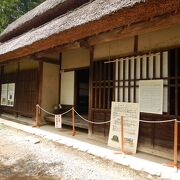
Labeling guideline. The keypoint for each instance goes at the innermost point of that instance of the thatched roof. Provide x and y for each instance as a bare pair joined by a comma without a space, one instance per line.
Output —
93,18
43,13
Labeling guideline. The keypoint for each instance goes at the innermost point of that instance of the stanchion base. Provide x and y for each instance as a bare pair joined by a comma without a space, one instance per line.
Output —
172,164
123,153
36,126
74,133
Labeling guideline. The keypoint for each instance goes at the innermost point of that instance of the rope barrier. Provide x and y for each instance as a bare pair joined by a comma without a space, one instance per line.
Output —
52,113
175,162
163,121
45,110
66,111
90,121
72,109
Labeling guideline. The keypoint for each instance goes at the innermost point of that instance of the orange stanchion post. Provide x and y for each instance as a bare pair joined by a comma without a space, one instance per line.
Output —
122,137
73,125
175,143
122,134
37,116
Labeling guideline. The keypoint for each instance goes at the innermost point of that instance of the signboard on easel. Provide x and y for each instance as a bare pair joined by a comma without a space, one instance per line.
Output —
130,114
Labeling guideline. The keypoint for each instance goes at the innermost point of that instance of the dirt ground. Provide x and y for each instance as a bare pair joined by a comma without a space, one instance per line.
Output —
25,156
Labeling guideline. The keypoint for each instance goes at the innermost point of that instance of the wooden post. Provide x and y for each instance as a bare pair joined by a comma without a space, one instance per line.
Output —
59,88
39,90
122,134
91,55
175,142
37,116
73,125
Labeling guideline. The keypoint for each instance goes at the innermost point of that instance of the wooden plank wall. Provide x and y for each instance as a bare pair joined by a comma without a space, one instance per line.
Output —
25,91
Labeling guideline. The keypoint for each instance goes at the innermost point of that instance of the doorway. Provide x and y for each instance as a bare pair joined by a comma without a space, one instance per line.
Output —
82,90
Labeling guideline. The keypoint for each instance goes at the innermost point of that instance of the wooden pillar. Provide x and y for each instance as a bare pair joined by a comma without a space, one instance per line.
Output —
122,134
16,89
176,82
175,142
91,54
60,62
40,79
1,81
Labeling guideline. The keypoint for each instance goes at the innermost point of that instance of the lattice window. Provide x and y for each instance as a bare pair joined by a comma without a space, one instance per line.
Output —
119,81
103,85
130,70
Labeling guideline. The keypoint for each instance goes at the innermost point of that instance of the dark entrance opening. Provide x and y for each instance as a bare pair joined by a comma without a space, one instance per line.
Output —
82,90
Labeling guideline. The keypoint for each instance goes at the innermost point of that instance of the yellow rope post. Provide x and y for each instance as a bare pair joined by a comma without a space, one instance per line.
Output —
122,134
73,125
37,116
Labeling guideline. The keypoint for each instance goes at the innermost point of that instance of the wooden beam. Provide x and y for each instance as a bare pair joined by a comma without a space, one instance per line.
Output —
45,59
14,60
155,24
59,49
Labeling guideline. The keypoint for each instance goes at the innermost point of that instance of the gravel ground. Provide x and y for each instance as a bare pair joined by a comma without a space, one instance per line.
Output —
24,156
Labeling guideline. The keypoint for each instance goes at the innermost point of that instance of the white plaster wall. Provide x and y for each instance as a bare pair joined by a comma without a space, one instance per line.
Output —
50,86
10,68
28,64
159,39
75,58
114,48
67,88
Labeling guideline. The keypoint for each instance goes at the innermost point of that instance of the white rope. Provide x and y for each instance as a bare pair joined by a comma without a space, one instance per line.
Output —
67,111
90,121
45,110
52,113
72,109
164,121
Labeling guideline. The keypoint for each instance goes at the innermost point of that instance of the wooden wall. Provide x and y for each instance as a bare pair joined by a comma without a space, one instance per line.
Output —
25,76
119,81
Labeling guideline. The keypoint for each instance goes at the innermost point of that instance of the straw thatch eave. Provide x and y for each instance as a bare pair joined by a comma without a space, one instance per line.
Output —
99,16
40,15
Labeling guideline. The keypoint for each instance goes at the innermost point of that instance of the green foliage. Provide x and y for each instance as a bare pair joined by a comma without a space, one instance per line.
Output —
10,10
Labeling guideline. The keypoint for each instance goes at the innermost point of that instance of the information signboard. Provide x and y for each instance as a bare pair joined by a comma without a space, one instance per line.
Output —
4,90
7,94
130,114
58,121
151,96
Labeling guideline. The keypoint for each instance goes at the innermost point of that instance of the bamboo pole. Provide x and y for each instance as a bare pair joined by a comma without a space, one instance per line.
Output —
73,125
122,134
175,142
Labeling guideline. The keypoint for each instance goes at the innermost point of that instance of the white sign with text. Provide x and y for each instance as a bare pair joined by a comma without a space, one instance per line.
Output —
58,121
130,114
151,96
